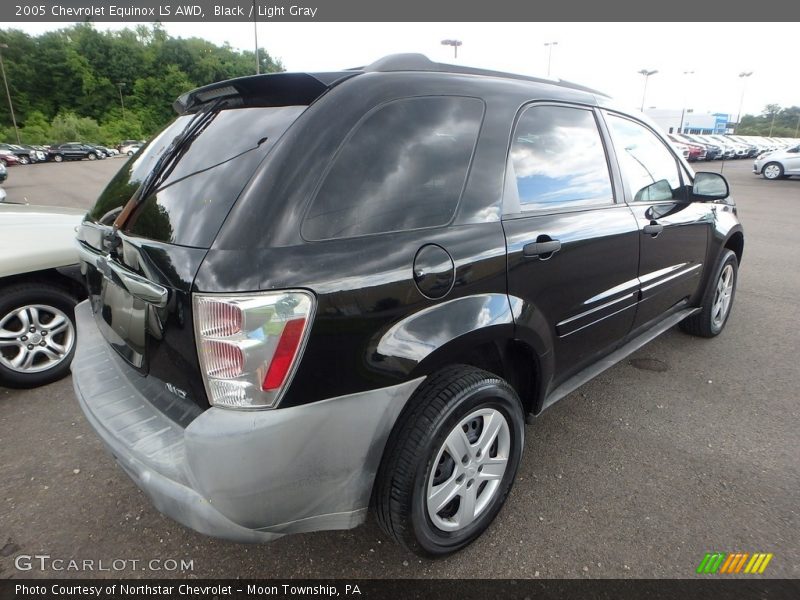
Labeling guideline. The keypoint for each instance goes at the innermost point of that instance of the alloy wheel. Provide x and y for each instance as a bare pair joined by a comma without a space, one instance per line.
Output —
722,297
772,171
35,338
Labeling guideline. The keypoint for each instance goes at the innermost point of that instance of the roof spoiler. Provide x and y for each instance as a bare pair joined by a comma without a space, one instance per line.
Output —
274,89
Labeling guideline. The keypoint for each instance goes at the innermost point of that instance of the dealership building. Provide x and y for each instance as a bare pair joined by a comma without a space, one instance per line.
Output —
688,121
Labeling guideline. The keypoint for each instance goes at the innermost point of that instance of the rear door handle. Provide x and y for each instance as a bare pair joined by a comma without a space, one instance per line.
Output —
137,286
543,249
653,228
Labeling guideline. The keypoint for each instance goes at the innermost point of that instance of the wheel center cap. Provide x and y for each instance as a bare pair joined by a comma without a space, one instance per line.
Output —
35,338
471,470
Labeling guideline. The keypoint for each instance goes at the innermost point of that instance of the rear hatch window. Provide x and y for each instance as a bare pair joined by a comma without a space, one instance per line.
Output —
194,195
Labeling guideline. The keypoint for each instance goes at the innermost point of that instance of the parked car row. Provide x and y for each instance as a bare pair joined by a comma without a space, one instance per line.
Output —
21,154
24,154
725,147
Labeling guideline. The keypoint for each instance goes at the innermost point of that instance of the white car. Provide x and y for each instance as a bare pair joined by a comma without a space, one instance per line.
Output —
130,149
777,164
39,287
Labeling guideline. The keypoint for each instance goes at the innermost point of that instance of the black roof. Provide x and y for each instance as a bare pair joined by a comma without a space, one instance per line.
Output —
420,62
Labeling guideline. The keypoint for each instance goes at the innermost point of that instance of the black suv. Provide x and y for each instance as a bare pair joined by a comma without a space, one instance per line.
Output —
74,151
316,293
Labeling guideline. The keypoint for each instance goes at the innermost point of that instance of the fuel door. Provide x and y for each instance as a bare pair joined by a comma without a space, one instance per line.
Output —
434,271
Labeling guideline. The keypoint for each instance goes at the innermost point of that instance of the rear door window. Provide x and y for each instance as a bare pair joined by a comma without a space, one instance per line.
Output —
557,160
403,167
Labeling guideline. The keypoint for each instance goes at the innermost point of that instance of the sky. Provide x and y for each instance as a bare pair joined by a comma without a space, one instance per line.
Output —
603,56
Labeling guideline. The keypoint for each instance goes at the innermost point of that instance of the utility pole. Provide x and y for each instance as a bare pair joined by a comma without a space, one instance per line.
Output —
8,92
771,125
549,46
647,75
120,85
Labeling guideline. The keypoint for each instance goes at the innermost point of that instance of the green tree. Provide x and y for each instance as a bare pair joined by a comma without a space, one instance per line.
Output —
66,84
774,121
69,127
36,129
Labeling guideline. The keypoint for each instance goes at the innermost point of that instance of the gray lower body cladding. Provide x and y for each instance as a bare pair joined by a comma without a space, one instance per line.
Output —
248,476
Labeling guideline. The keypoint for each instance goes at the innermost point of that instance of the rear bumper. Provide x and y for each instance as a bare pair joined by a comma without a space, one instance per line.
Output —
248,476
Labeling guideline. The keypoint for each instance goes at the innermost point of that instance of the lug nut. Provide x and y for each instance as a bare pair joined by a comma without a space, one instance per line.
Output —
32,329
480,469
44,333
43,343
478,454
464,459
24,338
30,346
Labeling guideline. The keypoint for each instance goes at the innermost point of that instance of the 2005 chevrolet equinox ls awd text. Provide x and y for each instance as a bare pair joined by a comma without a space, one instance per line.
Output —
319,293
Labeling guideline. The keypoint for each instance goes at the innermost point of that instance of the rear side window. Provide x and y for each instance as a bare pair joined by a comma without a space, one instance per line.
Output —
558,160
648,167
404,167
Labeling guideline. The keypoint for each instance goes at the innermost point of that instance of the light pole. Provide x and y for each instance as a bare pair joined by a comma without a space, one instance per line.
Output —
549,46
120,85
8,92
743,76
683,110
646,74
255,35
455,44
797,129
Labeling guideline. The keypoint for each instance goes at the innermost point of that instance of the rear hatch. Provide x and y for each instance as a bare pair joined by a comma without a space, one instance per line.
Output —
143,242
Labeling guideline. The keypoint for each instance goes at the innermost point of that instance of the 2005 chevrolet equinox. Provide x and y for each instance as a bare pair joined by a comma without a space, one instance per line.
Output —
319,293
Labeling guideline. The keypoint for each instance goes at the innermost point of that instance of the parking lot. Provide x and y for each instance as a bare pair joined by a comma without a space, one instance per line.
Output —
639,473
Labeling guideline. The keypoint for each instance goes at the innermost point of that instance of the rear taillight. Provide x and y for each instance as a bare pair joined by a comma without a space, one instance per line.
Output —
249,344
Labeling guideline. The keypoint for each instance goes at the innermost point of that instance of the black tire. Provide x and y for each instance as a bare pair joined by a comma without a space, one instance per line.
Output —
58,158
25,294
24,160
704,324
435,410
773,164
130,152
5,164
91,156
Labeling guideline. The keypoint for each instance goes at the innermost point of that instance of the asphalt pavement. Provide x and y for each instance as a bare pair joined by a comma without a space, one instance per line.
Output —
688,447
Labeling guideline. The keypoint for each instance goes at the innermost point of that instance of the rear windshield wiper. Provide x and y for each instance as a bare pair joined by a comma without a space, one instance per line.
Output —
167,162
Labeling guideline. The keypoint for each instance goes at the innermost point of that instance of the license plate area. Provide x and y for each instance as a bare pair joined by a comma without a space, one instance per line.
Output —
122,319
